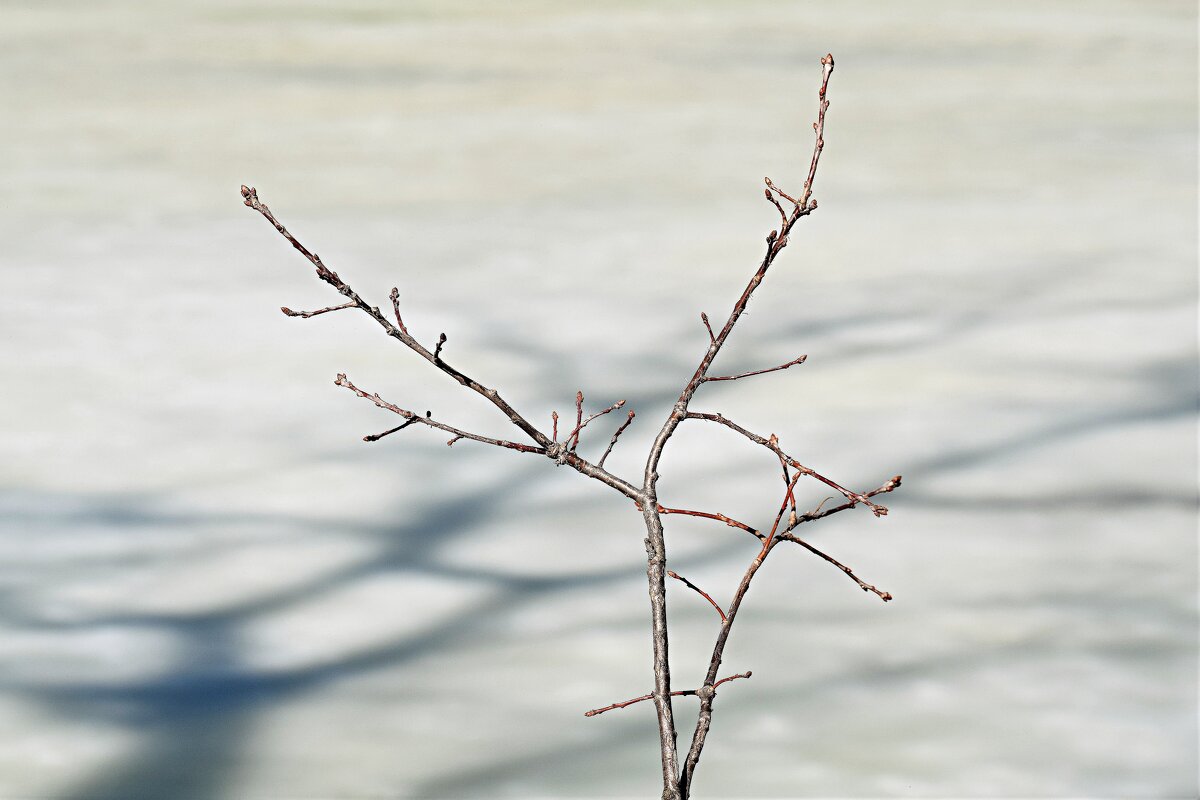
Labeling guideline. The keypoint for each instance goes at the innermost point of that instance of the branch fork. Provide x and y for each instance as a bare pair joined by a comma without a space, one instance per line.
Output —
677,774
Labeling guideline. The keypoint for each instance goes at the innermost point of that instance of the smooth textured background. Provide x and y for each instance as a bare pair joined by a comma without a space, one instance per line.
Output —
211,588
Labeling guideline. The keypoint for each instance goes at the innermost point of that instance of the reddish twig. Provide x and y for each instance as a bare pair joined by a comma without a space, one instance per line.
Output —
680,693
698,590
307,314
733,523
819,130
791,363
396,307
771,197
866,587
578,421
612,443
711,336
554,425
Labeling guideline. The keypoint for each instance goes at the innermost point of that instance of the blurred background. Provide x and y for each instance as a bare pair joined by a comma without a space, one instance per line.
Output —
210,587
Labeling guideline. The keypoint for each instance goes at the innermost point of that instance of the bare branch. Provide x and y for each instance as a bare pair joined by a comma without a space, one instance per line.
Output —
773,188
712,338
437,352
733,523
396,307
866,587
375,437
698,590
307,314
681,693
819,130
578,421
628,421
342,380
579,428
554,425
791,363
773,446
771,197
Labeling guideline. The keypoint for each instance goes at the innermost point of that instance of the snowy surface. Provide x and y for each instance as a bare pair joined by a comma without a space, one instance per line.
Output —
211,588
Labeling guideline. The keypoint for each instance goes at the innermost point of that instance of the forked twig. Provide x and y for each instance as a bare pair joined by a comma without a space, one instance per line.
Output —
677,776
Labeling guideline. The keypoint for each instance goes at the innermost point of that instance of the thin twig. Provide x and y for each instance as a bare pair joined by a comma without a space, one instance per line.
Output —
866,587
612,443
771,187
773,446
375,437
396,307
733,523
342,380
579,428
554,425
770,196
437,352
791,363
819,130
711,336
578,421
307,314
680,693
698,590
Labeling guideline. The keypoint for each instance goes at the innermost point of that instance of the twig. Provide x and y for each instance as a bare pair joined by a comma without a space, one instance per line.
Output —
866,587
733,523
819,130
628,421
698,590
437,352
773,446
375,437
774,202
773,188
307,314
545,444
396,307
711,336
578,421
680,693
791,363
554,425
579,428
342,380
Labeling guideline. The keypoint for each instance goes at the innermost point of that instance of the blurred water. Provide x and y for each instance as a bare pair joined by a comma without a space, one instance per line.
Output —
212,588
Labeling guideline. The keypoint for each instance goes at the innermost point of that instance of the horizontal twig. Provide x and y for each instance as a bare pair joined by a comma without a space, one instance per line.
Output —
579,427
680,693
307,314
791,363
733,523
375,437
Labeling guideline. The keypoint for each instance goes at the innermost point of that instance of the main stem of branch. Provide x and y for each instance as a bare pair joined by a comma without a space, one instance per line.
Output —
656,573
